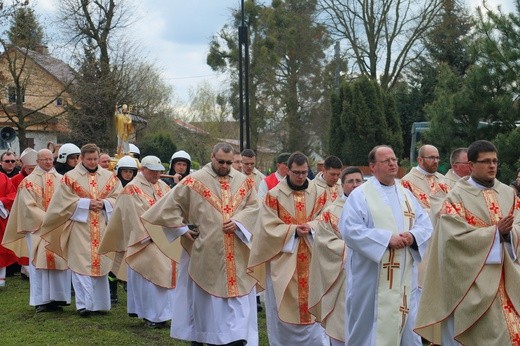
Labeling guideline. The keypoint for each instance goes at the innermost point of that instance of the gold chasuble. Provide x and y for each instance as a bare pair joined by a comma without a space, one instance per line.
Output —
327,273
396,267
218,261
283,210
126,235
430,190
466,278
451,178
333,192
78,242
32,200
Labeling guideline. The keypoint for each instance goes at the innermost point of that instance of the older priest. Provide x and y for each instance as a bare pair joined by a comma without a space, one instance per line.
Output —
215,296
50,275
75,223
473,277
387,233
151,274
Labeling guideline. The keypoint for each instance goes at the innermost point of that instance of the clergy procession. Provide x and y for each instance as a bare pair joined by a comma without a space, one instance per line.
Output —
340,259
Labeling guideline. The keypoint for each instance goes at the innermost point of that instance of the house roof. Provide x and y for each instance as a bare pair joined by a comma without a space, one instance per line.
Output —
56,67
190,127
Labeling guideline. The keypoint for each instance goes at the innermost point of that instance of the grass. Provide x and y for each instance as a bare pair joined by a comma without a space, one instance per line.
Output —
20,325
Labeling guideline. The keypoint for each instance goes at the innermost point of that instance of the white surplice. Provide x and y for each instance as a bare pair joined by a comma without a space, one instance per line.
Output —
194,312
367,245
47,285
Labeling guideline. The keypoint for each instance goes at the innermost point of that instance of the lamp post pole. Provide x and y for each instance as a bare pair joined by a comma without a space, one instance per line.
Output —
243,80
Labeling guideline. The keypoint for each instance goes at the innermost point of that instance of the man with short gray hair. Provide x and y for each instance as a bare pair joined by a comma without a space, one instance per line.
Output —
150,274
49,273
460,166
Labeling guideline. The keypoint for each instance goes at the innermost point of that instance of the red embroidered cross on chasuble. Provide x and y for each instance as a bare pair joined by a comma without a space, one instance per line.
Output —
303,252
94,192
227,204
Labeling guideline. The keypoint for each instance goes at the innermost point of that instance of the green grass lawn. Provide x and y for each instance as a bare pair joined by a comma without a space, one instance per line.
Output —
20,325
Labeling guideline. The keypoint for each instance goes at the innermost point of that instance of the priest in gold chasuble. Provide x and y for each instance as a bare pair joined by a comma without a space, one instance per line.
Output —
282,246
387,233
50,276
75,223
150,274
473,277
327,274
213,211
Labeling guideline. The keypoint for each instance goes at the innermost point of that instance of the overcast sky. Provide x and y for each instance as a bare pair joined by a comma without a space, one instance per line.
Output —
175,35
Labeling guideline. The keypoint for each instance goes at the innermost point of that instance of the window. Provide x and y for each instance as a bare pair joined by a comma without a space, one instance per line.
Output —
11,94
59,101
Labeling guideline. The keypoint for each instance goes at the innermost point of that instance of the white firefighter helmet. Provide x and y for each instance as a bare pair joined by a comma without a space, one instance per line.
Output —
133,149
126,162
66,150
181,154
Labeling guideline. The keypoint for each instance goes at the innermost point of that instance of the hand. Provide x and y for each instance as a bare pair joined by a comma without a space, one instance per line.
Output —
408,238
303,230
192,234
505,224
229,227
397,242
96,204
177,177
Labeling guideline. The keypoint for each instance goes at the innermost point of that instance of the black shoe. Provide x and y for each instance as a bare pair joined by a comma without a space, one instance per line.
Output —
41,308
132,315
154,325
24,277
48,308
84,312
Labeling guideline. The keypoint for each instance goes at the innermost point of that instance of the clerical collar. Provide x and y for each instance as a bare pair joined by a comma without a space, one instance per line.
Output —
298,188
90,170
386,184
485,184
423,171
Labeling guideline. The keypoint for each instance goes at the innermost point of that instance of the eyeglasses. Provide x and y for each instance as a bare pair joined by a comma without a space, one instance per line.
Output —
9,161
221,162
299,173
489,162
388,161
461,163
433,158
352,181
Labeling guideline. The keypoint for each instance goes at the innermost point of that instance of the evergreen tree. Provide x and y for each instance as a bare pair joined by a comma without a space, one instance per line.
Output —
368,118
25,30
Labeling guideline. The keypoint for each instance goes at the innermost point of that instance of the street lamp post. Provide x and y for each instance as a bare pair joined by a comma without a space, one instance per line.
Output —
243,80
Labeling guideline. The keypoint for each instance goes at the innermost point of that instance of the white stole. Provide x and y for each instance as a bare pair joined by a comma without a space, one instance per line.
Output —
396,266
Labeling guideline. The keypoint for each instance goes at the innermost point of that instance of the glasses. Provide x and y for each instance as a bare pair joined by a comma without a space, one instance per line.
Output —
9,161
461,163
433,158
489,162
221,162
388,161
299,173
354,181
